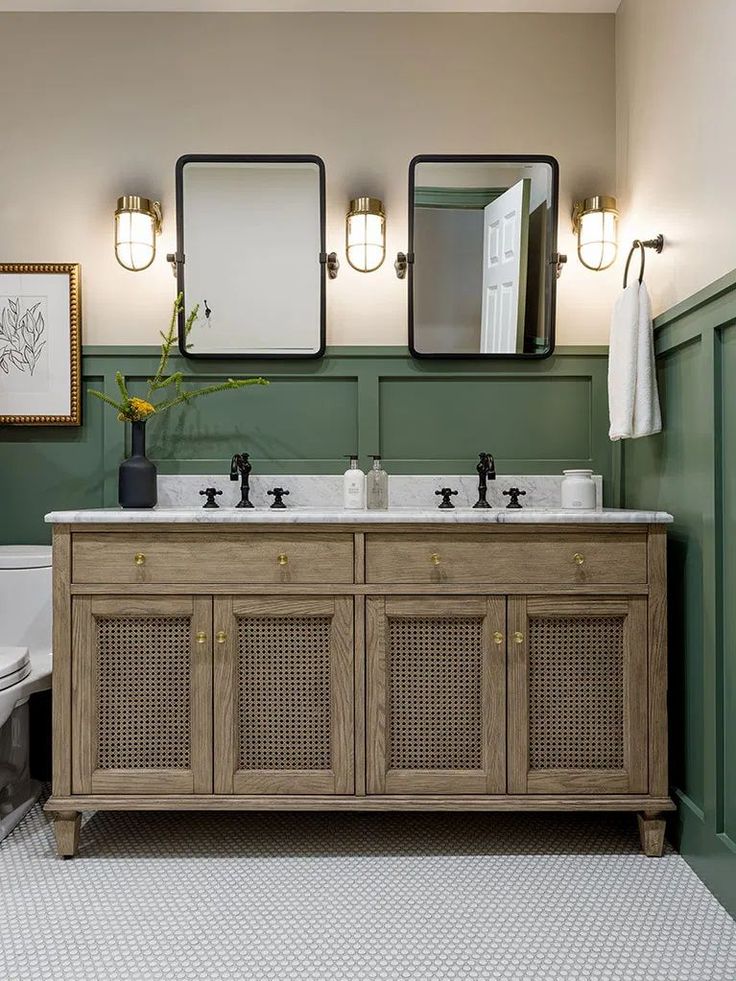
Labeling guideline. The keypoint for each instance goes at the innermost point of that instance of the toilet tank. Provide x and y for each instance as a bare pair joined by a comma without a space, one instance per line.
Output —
25,597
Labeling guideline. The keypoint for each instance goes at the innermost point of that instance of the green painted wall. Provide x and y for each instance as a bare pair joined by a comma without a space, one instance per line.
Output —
423,416
690,470
434,416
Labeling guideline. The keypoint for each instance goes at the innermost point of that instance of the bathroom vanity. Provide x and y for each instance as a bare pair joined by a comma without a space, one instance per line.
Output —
396,660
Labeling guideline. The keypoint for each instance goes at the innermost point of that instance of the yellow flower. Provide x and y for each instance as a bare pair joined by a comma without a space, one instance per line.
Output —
142,408
136,410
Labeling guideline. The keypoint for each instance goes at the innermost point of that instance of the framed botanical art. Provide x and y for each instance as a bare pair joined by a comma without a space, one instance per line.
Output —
40,344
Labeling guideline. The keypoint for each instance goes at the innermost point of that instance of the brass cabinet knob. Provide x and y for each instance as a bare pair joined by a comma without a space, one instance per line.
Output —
518,637
200,636
435,558
498,638
139,558
220,636
579,558
282,558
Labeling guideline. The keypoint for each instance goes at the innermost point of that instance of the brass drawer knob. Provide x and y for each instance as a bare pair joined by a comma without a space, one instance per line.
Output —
498,638
579,558
435,558
282,558
139,558
200,636
518,637
220,636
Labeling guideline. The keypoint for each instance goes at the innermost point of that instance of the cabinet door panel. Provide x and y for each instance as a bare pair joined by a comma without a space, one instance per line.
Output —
284,695
142,695
436,695
577,695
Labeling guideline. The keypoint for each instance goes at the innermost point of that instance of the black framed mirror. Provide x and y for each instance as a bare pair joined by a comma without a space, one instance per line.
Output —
482,260
250,233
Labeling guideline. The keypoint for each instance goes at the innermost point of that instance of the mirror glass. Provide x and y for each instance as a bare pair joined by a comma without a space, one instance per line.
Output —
250,231
483,234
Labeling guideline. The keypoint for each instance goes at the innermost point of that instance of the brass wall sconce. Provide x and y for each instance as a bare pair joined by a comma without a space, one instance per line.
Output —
594,221
137,223
365,234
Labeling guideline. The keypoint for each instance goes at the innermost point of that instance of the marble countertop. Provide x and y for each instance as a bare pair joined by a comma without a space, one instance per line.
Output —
299,515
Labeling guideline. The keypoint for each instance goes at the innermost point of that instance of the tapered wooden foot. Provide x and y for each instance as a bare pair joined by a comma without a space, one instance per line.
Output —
651,832
66,830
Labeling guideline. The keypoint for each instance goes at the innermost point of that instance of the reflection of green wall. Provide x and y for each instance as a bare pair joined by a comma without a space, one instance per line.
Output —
425,417
690,470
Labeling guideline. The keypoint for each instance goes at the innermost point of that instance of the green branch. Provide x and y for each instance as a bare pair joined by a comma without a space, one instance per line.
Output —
209,390
133,408
106,398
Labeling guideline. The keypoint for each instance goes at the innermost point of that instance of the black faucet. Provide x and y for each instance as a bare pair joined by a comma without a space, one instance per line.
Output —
486,468
240,466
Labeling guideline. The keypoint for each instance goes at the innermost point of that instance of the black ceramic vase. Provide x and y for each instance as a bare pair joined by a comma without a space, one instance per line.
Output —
137,475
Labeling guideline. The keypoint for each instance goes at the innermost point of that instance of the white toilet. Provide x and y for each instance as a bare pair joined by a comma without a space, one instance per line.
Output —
25,667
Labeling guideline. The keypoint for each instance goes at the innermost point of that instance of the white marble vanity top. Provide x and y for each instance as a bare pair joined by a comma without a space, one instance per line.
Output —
303,515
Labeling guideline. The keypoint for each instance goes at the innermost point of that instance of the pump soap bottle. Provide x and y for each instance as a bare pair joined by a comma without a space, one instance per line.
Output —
377,486
353,486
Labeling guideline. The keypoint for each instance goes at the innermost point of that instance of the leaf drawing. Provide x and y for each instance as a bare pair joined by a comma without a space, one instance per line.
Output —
21,335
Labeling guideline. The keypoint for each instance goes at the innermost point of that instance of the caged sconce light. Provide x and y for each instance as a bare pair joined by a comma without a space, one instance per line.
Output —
594,222
137,223
365,234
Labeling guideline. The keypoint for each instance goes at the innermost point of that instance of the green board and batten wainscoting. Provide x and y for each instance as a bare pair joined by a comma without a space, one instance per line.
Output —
690,470
423,416
433,417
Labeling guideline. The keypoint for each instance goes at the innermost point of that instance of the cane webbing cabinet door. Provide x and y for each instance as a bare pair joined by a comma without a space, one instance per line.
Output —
142,695
283,669
436,704
577,690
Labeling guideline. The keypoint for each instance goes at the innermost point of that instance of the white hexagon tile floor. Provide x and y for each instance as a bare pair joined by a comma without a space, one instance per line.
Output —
354,897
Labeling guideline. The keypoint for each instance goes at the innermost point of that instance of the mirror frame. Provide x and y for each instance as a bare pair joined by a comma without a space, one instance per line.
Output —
180,250
551,291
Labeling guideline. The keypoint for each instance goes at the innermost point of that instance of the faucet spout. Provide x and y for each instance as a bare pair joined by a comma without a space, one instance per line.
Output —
486,469
240,466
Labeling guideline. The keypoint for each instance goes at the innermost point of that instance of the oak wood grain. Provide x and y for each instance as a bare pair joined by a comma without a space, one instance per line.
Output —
546,558
404,802
62,669
182,558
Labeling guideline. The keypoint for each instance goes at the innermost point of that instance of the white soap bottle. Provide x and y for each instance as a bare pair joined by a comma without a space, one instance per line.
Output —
353,487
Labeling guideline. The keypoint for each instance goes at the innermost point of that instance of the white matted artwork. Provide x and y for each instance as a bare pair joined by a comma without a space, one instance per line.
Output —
40,344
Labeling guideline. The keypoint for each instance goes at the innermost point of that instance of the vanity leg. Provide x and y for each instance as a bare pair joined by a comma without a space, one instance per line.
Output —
651,832
66,829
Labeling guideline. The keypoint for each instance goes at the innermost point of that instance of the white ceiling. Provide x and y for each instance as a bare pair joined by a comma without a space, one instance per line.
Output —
344,6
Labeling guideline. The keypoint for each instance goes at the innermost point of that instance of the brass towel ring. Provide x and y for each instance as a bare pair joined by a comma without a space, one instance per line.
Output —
656,243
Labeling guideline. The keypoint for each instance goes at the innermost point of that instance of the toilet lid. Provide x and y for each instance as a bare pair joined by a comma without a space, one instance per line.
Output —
13,660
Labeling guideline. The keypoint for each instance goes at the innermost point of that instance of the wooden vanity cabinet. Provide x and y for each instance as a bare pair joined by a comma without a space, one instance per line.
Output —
359,667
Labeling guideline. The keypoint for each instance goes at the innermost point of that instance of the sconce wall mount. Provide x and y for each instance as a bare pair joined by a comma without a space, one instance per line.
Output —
365,234
594,221
138,221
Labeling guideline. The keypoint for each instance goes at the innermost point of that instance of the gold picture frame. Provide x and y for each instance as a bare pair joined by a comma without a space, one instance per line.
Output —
38,366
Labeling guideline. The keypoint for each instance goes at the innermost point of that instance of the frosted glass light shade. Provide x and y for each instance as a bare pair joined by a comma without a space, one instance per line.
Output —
597,232
137,222
365,234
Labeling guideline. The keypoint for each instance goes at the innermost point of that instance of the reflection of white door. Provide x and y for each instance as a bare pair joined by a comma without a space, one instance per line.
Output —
505,246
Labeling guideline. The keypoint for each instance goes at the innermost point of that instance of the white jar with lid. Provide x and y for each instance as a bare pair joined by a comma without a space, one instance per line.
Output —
578,490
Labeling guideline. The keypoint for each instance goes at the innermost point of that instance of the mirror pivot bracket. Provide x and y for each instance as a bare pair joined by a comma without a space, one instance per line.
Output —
331,261
402,263
558,260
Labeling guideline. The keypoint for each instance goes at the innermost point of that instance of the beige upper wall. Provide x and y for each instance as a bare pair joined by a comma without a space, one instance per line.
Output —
97,105
676,143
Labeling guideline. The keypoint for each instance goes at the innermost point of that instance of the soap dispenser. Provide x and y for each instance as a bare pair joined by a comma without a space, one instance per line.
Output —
376,490
353,486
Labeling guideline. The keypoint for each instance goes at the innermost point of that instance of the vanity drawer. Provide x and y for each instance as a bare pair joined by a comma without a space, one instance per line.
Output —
508,558
183,558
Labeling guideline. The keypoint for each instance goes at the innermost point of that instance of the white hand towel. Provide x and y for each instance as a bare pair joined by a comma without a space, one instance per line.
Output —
633,399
